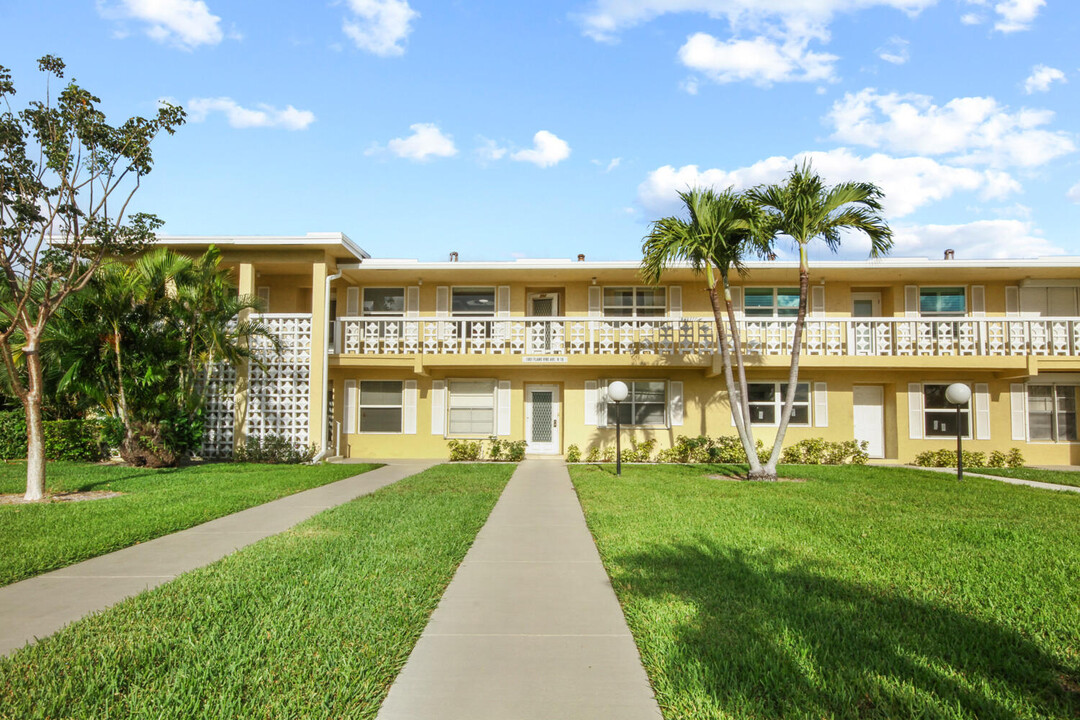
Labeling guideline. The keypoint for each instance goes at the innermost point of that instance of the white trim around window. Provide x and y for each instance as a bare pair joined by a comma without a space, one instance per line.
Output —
767,404
380,407
471,407
1051,412
383,301
645,406
629,301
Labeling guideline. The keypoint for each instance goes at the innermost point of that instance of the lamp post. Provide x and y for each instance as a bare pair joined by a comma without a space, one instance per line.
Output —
959,394
617,392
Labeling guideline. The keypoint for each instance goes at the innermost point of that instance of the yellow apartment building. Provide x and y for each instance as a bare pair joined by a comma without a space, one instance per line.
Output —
392,358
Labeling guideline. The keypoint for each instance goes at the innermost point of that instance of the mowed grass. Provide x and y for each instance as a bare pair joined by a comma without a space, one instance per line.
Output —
46,536
1058,477
861,593
313,623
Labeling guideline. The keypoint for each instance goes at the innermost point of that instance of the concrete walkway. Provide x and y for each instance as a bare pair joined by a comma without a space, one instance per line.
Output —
40,606
529,627
1001,478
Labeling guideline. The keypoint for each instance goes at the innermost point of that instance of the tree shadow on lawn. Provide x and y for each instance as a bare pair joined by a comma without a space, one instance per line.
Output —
767,637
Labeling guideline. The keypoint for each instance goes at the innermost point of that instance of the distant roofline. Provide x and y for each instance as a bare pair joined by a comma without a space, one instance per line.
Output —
311,238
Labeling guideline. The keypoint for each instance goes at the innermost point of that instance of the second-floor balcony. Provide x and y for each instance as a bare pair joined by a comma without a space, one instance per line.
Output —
868,337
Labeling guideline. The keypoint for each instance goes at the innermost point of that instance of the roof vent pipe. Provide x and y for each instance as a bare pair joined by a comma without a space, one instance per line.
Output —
950,254
581,257
453,257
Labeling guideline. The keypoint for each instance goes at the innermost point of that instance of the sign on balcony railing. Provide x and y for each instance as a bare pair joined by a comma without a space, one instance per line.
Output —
697,336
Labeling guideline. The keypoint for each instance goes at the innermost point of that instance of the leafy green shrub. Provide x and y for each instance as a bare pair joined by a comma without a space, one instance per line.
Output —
12,435
464,450
947,458
818,451
640,452
1015,458
474,450
609,455
273,450
573,454
689,450
75,440
496,450
515,451
593,455
112,432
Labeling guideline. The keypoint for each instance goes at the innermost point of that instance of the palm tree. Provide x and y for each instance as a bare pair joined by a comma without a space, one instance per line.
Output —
804,208
723,228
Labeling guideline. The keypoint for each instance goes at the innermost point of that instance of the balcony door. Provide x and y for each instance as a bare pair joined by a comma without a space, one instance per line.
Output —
540,333
542,419
865,304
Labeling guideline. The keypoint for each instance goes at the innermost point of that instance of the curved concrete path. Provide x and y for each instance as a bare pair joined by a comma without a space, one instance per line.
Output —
530,626
37,607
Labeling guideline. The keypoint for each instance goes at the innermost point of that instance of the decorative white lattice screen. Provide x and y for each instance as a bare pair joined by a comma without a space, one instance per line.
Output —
278,392
218,412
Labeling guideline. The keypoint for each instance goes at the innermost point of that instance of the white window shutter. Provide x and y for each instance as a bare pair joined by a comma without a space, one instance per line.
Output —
675,301
412,301
978,301
737,302
1018,396
601,404
915,411
352,301
349,409
817,301
442,301
982,411
408,420
590,402
596,299
438,407
675,402
911,305
821,405
503,419
1012,301
502,301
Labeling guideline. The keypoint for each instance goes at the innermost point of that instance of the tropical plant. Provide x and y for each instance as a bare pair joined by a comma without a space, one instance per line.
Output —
803,208
722,230
66,178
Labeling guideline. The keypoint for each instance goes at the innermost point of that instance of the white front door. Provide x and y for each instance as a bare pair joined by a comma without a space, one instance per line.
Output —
542,419
869,404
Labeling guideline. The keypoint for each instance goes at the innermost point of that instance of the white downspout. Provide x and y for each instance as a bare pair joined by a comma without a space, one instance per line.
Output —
325,372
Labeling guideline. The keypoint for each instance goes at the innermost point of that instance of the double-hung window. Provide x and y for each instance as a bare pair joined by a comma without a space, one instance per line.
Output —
472,407
939,415
1052,412
635,301
380,406
645,404
767,403
770,302
942,302
384,301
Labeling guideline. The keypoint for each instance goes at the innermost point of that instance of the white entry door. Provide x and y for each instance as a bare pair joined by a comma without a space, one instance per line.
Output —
542,419
540,332
869,404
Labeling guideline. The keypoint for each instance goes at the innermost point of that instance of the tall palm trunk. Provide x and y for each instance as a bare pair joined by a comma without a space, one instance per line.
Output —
793,374
744,393
734,396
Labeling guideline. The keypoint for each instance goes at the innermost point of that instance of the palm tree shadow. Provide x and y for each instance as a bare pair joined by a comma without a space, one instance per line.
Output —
765,636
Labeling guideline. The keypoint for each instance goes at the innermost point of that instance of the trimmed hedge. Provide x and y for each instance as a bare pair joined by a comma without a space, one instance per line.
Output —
972,459
728,450
78,440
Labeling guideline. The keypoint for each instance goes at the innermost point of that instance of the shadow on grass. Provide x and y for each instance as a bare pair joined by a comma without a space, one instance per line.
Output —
766,638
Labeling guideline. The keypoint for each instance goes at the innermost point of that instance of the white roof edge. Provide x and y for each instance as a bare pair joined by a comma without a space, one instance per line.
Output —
893,263
311,238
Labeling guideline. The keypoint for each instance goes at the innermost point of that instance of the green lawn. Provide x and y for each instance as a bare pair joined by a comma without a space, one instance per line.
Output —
862,593
313,623
1058,477
40,537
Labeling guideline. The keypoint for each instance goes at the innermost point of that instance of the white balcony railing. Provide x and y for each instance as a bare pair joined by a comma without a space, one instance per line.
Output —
697,335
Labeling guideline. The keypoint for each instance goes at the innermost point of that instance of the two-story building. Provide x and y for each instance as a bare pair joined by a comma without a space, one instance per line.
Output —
391,358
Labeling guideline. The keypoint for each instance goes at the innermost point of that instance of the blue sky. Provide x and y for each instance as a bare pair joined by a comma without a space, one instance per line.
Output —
545,129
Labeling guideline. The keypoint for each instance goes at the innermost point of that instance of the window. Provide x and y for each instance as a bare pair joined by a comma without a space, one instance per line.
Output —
767,403
939,415
384,301
472,407
645,404
942,301
380,406
770,302
1052,412
472,301
635,302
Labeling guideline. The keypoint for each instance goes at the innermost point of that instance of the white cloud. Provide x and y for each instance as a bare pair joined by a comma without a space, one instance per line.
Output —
974,130
241,117
1074,193
979,239
1042,76
972,19
1016,14
489,150
427,141
611,165
908,182
183,23
895,51
547,150
762,61
379,26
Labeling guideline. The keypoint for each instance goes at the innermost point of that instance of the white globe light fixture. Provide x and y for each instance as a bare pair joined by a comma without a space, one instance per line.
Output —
617,392
959,394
